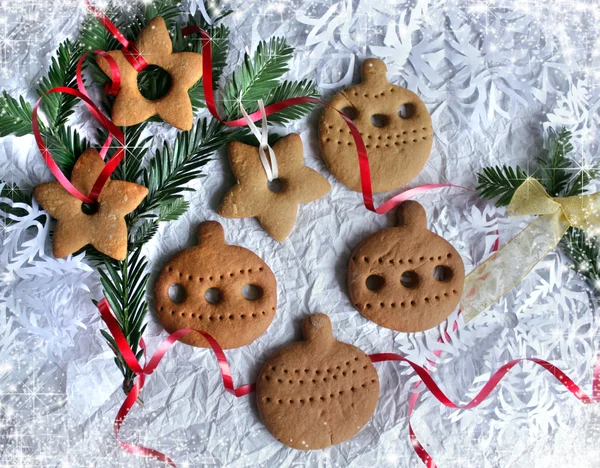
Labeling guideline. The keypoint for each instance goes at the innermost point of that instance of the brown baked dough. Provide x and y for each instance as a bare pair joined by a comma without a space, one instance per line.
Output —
251,196
398,148
317,392
105,229
392,274
184,68
233,320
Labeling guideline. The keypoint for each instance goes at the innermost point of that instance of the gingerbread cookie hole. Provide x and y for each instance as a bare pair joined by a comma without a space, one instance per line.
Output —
90,208
154,82
379,120
442,273
406,111
213,296
375,282
409,279
277,185
252,292
177,293
351,112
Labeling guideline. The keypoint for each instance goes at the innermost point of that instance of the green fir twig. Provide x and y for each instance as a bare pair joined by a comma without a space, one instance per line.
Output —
561,177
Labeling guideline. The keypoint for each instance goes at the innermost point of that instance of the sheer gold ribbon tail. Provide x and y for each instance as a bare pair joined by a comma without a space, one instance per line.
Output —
495,277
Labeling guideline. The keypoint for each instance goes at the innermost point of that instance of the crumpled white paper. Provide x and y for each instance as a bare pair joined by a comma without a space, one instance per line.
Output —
493,75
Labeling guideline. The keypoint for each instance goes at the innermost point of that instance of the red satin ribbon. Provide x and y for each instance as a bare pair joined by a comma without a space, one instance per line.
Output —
130,51
110,166
226,375
149,368
137,61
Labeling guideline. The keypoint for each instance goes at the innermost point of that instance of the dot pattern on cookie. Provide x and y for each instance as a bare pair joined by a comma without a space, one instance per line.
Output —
393,122
227,291
406,278
317,392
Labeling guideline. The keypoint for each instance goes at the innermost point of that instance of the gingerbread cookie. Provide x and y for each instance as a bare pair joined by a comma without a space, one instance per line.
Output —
275,204
184,68
394,124
317,392
103,224
225,290
406,278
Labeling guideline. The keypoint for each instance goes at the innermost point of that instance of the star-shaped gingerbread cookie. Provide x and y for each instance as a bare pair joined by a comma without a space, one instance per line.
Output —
103,224
252,197
184,68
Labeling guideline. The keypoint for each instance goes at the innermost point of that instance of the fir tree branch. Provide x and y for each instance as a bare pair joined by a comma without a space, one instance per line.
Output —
257,76
66,145
169,10
15,116
94,36
582,180
287,90
584,252
555,165
169,211
172,167
124,284
58,106
136,149
500,182
16,195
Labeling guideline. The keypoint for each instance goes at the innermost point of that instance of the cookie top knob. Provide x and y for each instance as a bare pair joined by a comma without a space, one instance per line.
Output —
374,72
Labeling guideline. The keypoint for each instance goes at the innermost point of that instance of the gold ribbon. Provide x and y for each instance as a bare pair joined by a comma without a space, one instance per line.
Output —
495,277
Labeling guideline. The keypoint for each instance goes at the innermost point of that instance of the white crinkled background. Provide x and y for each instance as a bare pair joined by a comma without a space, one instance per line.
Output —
493,75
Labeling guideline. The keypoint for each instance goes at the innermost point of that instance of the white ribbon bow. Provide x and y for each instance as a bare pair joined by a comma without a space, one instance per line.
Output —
270,163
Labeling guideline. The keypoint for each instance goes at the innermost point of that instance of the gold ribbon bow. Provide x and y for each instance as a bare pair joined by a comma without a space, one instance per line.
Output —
506,268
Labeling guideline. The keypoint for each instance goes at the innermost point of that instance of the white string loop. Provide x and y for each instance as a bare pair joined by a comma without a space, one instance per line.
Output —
270,163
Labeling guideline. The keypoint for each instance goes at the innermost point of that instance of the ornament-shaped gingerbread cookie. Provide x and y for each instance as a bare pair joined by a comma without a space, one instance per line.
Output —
225,290
393,122
184,68
317,392
406,278
101,224
276,207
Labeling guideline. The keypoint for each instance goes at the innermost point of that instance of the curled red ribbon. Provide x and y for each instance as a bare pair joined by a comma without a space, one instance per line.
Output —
130,51
226,375
149,368
110,166
138,62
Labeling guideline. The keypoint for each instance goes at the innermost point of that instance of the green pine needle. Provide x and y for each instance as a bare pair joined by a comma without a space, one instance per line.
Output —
257,76
581,182
58,107
287,90
94,36
136,149
500,182
66,145
584,252
556,171
15,116
124,284
174,166
16,195
555,166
